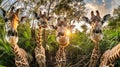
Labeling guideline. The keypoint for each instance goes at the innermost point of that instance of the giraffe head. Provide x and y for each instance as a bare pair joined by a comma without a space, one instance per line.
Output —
62,32
96,23
43,19
38,20
12,24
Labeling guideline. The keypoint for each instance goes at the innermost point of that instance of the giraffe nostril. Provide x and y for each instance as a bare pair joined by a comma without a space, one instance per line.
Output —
97,31
60,34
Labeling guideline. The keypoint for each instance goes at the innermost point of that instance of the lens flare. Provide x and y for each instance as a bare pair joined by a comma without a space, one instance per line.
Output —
68,32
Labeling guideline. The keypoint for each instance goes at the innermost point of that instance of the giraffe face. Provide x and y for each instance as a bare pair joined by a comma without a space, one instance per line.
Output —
96,30
62,37
96,23
11,26
62,34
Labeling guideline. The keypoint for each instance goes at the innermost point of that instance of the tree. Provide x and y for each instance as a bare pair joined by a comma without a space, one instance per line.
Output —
114,21
72,9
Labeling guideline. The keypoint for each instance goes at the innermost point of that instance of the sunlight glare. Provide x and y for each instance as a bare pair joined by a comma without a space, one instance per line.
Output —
68,32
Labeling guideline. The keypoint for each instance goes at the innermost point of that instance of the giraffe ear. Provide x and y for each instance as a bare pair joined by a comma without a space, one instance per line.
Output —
53,27
97,13
17,12
72,26
105,18
23,18
92,14
85,19
3,14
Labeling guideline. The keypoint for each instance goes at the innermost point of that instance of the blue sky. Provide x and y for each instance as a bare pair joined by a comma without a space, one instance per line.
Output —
99,4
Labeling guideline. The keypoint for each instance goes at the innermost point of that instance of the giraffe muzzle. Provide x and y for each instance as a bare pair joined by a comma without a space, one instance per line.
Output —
61,34
12,33
97,31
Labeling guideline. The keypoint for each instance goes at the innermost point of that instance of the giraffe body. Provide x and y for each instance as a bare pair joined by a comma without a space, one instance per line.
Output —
109,57
60,57
40,56
63,41
39,50
20,54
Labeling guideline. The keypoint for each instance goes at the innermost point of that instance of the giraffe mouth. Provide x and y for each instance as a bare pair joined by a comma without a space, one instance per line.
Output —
8,38
60,34
97,31
12,33
96,37
63,40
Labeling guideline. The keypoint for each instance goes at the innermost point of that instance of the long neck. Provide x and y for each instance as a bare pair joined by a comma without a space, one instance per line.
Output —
110,56
95,55
60,55
96,45
96,49
16,50
115,53
39,36
20,55
15,47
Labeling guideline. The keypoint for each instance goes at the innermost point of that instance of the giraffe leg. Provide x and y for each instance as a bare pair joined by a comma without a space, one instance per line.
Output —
43,64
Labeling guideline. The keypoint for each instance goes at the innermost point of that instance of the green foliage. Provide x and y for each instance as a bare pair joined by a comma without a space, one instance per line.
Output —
72,12
5,50
0,1
115,21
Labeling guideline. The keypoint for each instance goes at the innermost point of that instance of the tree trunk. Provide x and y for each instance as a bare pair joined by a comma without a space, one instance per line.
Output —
33,34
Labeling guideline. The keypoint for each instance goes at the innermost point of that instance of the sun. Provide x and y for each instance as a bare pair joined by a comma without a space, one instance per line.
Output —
68,32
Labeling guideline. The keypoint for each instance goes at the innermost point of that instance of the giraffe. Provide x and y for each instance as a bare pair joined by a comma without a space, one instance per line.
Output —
12,22
39,49
110,56
63,40
12,38
96,35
